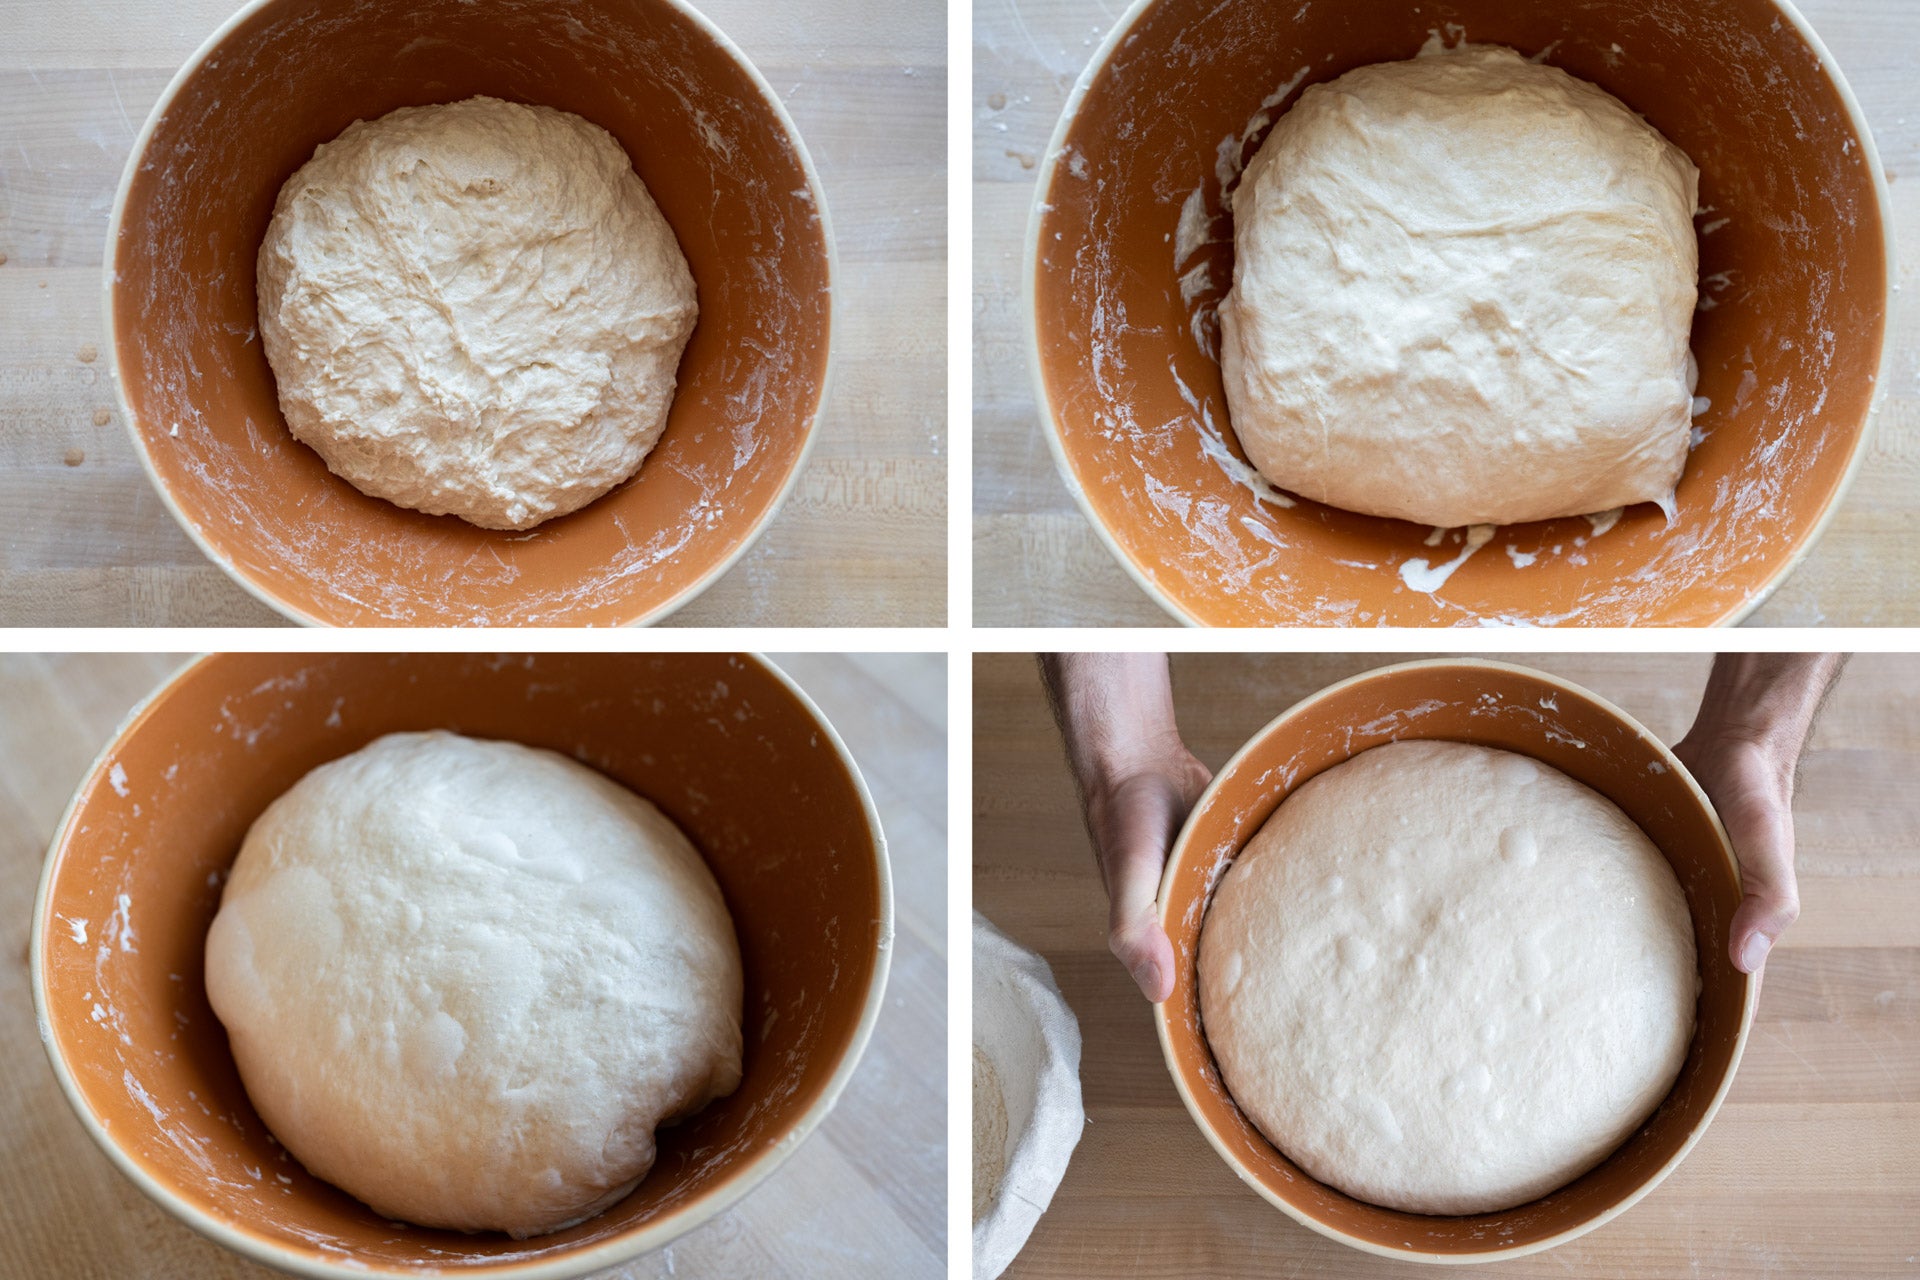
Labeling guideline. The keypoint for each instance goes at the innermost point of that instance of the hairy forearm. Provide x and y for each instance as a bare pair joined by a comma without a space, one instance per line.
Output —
1766,701
1115,712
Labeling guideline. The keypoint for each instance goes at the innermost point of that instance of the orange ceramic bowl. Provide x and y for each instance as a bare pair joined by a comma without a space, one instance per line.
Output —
712,143
726,746
1514,708
1130,250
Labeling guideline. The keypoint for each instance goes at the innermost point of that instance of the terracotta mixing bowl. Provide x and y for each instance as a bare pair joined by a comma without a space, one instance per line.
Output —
718,153
1130,250
726,746
1493,704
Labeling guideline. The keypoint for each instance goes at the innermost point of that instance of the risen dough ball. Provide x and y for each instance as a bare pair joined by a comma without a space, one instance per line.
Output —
1448,979
474,310
1463,289
466,980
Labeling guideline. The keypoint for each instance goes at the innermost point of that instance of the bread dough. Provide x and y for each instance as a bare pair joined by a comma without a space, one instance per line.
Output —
1462,292
474,310
466,980
1448,979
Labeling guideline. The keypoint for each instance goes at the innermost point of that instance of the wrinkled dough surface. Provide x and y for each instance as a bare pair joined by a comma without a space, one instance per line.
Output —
1463,290
1448,979
474,310
466,980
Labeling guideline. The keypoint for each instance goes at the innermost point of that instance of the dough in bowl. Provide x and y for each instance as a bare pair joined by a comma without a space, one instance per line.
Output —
1462,294
1448,979
474,310
466,980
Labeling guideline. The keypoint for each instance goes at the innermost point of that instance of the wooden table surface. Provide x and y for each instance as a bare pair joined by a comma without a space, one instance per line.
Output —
1037,562
1812,1167
863,1196
84,540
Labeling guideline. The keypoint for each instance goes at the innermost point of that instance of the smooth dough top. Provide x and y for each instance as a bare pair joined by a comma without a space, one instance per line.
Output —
1463,290
474,310
465,980
1448,979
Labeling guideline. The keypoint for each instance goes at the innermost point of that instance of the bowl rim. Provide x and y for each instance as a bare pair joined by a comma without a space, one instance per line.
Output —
1049,421
566,1266
1162,1023
109,277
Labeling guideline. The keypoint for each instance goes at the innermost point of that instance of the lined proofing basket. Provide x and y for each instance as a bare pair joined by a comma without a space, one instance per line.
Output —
1020,1018
726,746
1130,250
720,157
1513,708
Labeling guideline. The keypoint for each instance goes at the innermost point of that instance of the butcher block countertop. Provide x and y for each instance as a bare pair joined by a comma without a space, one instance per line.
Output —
1038,562
85,540
1812,1167
864,1196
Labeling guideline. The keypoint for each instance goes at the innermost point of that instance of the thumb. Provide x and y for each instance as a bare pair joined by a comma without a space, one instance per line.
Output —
1762,917
1136,855
1771,902
1142,945
1133,825
1193,782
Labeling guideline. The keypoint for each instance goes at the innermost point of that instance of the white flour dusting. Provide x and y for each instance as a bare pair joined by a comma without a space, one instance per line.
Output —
989,1134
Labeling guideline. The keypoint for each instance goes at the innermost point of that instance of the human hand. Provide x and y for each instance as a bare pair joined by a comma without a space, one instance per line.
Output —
1744,749
1137,783
1133,820
1754,797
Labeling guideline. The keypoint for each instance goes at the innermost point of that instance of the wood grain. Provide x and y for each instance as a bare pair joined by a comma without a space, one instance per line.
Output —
1811,1168
1037,561
85,541
864,1196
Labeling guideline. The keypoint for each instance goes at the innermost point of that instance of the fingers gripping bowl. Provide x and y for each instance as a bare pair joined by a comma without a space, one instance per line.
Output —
716,151
1130,251
725,746
1495,705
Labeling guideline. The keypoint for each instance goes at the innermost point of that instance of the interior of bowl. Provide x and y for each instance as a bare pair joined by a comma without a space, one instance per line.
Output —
1133,251
1517,710
720,743
718,158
